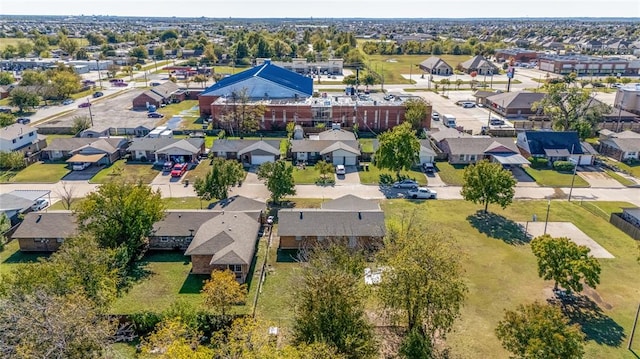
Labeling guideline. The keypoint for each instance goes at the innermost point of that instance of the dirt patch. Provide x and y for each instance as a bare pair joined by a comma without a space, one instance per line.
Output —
593,294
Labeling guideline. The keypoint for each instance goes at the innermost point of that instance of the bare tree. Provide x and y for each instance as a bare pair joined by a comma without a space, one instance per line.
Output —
67,195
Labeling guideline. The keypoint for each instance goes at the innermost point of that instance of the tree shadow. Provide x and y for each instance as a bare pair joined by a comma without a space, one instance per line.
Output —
26,257
287,256
497,226
596,325
193,284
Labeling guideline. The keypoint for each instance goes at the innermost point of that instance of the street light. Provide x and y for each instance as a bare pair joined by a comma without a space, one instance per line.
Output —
99,77
546,221
573,178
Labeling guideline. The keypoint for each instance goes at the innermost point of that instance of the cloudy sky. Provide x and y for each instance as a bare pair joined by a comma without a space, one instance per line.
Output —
328,8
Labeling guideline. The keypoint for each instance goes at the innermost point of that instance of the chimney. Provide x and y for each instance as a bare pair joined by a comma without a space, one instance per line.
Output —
300,215
39,218
191,230
359,215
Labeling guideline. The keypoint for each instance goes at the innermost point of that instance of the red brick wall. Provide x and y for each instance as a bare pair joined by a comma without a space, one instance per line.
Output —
29,245
204,102
141,101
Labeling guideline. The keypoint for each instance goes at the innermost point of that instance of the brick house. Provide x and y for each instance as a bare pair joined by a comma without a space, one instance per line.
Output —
162,94
622,146
45,231
253,152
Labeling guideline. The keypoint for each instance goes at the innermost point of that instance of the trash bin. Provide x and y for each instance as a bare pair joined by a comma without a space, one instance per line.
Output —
186,182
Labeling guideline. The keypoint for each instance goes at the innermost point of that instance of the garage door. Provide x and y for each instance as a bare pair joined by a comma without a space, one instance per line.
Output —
350,160
338,160
258,160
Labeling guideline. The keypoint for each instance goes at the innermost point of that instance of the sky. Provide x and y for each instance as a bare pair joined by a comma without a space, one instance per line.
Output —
328,8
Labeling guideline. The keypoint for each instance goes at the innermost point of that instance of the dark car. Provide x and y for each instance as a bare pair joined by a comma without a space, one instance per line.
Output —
84,104
120,84
97,94
23,120
155,115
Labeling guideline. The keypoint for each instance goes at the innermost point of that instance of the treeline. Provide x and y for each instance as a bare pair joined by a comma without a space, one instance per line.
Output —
432,47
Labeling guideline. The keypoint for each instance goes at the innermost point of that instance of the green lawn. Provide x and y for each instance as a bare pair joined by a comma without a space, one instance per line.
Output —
185,203
39,172
633,169
366,145
372,175
394,66
450,174
623,180
200,171
186,107
553,178
127,172
308,175
168,280
11,257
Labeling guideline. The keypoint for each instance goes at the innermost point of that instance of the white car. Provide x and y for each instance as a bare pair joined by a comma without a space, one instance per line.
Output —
340,170
422,193
40,204
435,116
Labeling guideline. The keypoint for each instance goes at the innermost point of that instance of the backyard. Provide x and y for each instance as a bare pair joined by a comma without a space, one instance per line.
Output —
38,172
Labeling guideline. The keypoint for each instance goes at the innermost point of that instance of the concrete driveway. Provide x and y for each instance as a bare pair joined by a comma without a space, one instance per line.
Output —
597,178
524,180
83,175
164,178
351,176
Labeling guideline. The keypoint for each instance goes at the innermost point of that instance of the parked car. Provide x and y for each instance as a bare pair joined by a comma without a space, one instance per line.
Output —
40,204
340,170
179,169
155,115
155,84
167,166
422,193
120,84
67,102
81,166
97,94
435,116
467,104
496,121
23,120
84,104
113,81
428,167
406,184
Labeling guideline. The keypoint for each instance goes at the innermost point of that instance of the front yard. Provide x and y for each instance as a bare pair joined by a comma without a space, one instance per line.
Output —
39,172
553,178
308,175
450,174
128,172
373,173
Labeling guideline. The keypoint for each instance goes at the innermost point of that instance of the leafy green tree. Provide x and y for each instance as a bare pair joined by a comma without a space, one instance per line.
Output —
7,119
398,150
139,52
41,325
23,99
13,160
6,78
65,83
121,216
324,168
487,182
329,308
223,175
40,44
423,286
70,46
416,112
278,177
5,224
222,291
174,339
169,34
33,78
95,39
80,123
24,48
538,331
566,263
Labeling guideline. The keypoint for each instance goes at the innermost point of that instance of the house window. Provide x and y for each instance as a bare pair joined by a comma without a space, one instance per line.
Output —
164,239
235,268
472,157
13,141
461,158
31,134
298,238
60,240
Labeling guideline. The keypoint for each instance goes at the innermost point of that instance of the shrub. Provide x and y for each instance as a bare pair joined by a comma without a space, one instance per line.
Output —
538,162
564,166
144,322
386,179
12,160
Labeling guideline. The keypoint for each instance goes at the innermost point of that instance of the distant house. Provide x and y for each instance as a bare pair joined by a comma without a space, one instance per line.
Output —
253,152
514,104
156,96
622,146
436,66
16,202
18,137
427,154
335,146
160,150
480,65
469,150
45,232
554,146
351,220
90,150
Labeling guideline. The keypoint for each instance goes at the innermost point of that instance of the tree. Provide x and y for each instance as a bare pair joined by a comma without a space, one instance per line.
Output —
67,194
398,150
24,48
5,224
423,286
223,175
278,177
538,331
566,263
33,78
23,99
80,123
69,46
222,291
65,83
329,305
139,53
13,160
241,114
6,78
324,168
173,339
416,112
7,119
40,325
121,215
487,182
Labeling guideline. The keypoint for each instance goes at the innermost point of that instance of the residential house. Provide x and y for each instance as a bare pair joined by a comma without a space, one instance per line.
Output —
253,152
156,96
45,231
18,137
436,66
335,146
160,150
444,133
350,220
554,146
514,104
102,151
631,215
621,146
469,150
480,65
16,202
427,154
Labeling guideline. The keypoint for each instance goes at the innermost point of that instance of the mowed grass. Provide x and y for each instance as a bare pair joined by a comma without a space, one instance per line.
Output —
127,172
11,257
186,203
450,174
308,175
372,175
366,145
553,178
394,66
623,180
39,172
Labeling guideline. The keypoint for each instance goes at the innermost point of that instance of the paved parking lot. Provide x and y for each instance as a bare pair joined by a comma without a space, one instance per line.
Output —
470,118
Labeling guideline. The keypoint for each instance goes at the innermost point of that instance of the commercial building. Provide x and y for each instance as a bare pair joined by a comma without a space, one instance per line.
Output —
584,65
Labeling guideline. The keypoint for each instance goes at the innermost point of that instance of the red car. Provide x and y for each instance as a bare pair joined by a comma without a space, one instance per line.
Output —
84,104
179,169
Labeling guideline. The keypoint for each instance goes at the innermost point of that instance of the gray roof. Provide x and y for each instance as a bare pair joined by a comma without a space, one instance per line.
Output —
183,146
154,144
633,211
446,132
330,223
318,145
339,145
152,95
226,145
262,148
623,144
337,135
10,202
230,238
15,130
477,62
425,146
108,144
165,90
181,223
351,203
519,99
480,145
560,152
50,224
433,62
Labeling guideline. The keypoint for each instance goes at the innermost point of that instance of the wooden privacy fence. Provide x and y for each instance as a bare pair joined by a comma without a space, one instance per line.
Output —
628,228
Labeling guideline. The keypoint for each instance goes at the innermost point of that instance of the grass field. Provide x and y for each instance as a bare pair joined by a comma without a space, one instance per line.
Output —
552,178
394,66
366,145
372,175
11,257
185,203
450,174
623,180
308,175
37,173
127,172
190,115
